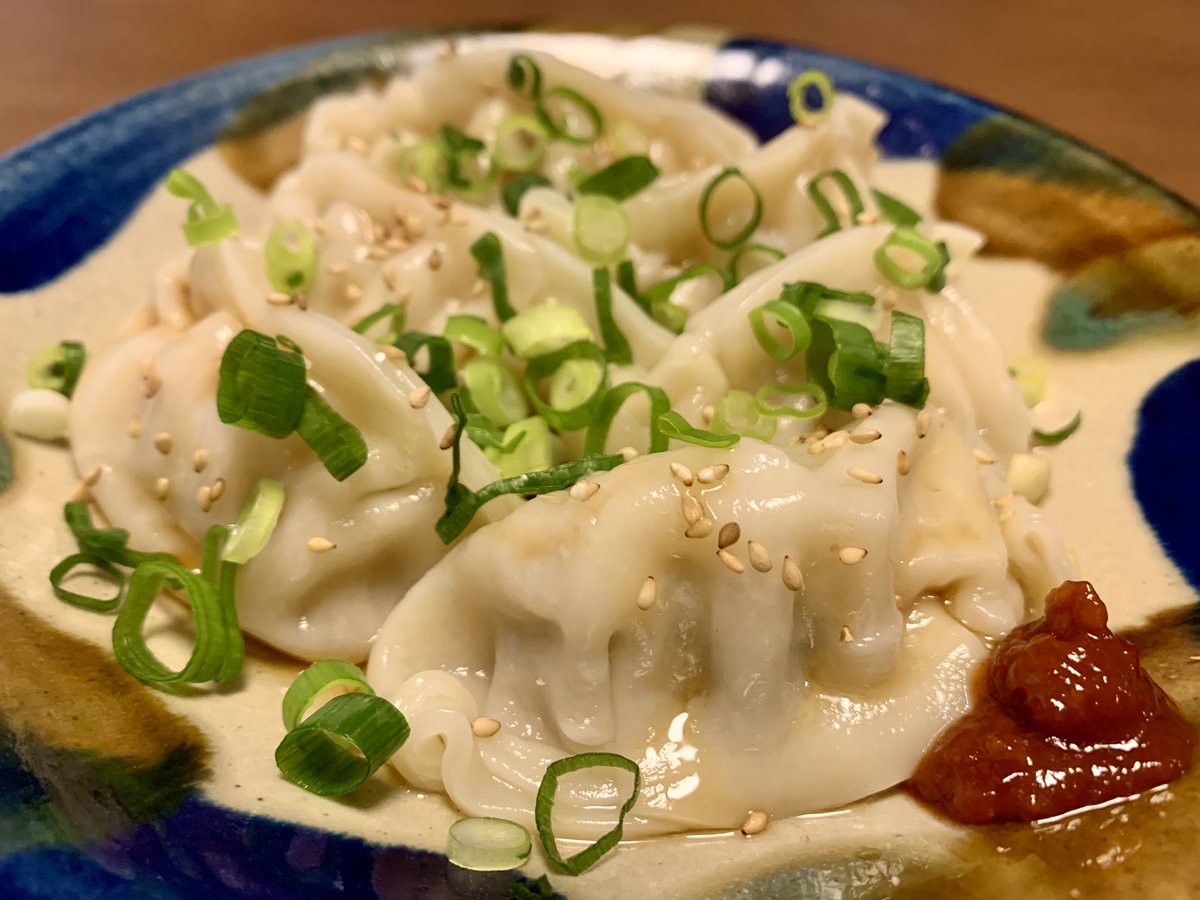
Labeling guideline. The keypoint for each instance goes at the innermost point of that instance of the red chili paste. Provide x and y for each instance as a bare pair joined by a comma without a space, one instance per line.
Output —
1069,719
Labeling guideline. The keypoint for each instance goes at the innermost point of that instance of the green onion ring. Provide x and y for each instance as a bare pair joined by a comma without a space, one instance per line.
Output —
905,379
544,808
675,426
542,367
338,444
320,676
558,128
737,413
474,333
600,229
57,367
262,386
833,221
809,389
62,571
752,223
747,250
398,314
802,113
660,404
786,315
290,254
616,347
256,523
489,256
483,844
524,76
911,240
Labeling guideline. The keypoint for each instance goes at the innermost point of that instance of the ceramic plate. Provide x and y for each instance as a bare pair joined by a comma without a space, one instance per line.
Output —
108,789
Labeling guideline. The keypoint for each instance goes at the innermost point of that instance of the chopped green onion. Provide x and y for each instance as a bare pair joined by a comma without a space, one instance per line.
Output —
616,347
108,544
495,389
262,385
912,241
426,161
813,392
850,195
728,242
6,467
512,192
63,570
339,747
600,229
58,367
806,296
895,210
489,255
323,675
256,523
291,257
578,376
621,179
802,111
868,315
845,362
439,373
207,221
207,660
524,76
676,427
1031,375
627,281
520,144
560,107
737,413
464,152
528,446
544,808
487,434
784,317
488,845
660,404
475,333
905,379
395,311
545,329
1049,427
657,297
540,890
938,281
339,444
740,269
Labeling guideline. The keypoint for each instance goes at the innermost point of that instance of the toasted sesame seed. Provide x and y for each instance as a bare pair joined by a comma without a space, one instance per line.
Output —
793,580
419,397
301,302
1005,516
582,490
922,423
336,268
867,217
458,217
535,226
628,453
162,487
861,410
707,413
816,448
395,244
441,202
846,635
218,489
393,353
983,456
1004,499
355,144
683,473
730,534
200,459
414,226
378,252
836,439
712,474
755,823
352,292
760,557
164,443
90,478
865,436
863,475
279,298
732,563
701,529
135,427
151,384
320,544
902,467
435,259
479,288
852,555
647,593
484,726
204,497
692,510
447,440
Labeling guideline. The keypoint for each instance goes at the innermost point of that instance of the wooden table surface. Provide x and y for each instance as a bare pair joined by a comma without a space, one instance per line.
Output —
1124,76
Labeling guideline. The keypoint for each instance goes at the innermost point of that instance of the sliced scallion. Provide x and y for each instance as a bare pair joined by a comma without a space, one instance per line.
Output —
58,367
728,241
905,379
616,347
814,409
207,221
905,239
520,143
262,385
256,523
488,845
660,404
845,361
895,210
63,570
320,678
495,389
749,258
544,329
512,192
737,413
489,255
439,370
528,446
475,333
339,747
426,161
622,179
803,112
338,444
600,229
575,392
1054,423
851,206
291,257
569,116
544,808
657,297
397,314
676,427
627,281
771,321
524,76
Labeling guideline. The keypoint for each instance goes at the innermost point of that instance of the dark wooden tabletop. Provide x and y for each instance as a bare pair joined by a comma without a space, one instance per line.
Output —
1123,76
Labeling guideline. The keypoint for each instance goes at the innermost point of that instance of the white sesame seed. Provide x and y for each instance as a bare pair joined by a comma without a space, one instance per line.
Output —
447,440
712,474
200,459
135,427
535,226
419,397
378,252
204,497
628,453
458,217
863,475
865,436
730,534
336,268
352,292
860,411
846,635
164,443
218,488
90,478
393,353
1005,516
479,288
922,423
816,448
691,508
395,243
836,439
1004,499
793,580
760,557
852,555
867,217
162,487
701,529
647,593
441,202
301,302
355,144
484,726
151,385
582,490
902,467
435,259
414,226
755,823
279,298
682,473
320,544
983,456
732,563
707,413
